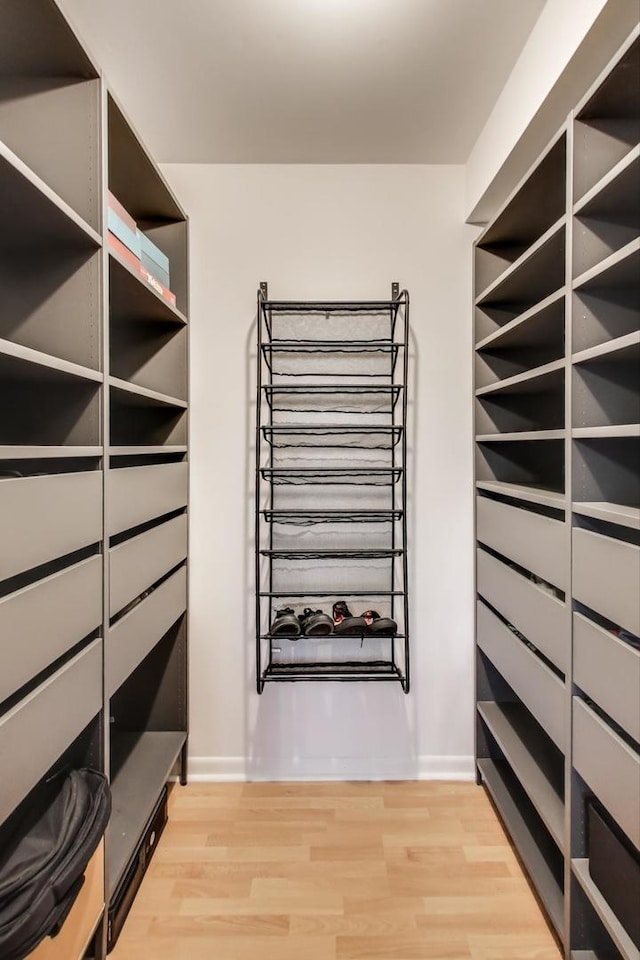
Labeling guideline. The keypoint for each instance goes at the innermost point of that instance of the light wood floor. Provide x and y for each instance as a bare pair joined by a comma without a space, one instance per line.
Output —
334,871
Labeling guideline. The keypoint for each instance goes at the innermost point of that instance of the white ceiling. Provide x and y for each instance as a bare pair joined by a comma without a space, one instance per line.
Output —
307,81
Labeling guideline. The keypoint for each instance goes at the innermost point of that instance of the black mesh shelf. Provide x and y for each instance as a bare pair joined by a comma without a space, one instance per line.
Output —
366,670
307,517
310,350
327,553
329,476
349,436
301,594
333,398
331,384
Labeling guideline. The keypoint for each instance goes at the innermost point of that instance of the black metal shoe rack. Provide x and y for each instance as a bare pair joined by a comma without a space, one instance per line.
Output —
330,482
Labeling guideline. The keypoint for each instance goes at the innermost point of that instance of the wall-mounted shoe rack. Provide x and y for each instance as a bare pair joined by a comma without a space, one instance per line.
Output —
331,455
93,455
557,467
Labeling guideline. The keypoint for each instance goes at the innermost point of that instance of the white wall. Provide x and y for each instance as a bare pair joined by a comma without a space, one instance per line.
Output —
328,231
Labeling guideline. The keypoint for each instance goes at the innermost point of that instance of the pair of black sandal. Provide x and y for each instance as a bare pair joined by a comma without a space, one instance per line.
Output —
368,623
309,623
316,623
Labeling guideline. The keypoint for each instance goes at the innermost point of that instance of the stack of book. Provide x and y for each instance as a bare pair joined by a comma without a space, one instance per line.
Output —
137,250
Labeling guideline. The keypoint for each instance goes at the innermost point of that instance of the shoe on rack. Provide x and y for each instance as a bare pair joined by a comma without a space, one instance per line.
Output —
379,626
315,623
344,623
286,624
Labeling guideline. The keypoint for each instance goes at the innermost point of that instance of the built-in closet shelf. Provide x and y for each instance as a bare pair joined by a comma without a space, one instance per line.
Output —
526,843
547,377
152,450
135,299
18,452
141,764
527,272
518,491
620,269
145,395
626,348
614,191
517,736
41,216
612,925
527,329
610,512
18,362
521,435
610,430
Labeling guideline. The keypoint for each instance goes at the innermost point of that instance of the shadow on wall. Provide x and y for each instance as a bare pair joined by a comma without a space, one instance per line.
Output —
325,730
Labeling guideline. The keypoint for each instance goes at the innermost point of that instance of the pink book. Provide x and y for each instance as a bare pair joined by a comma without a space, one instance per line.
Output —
124,253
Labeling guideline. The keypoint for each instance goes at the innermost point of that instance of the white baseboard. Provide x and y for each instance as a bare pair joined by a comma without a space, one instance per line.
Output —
235,769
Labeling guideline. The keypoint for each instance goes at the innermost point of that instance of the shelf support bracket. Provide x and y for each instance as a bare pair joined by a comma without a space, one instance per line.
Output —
395,290
264,289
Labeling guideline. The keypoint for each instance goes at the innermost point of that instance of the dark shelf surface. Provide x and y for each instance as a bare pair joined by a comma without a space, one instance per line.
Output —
141,764
361,398
331,636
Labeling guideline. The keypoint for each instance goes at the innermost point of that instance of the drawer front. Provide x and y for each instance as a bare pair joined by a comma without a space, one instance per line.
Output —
140,561
43,518
43,621
540,617
139,494
606,577
535,542
609,767
38,729
137,633
536,685
608,671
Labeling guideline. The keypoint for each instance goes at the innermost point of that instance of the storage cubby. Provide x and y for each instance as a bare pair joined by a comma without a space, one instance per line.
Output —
606,389
141,420
522,346
136,182
151,355
610,219
537,204
148,726
530,469
48,82
28,388
607,125
606,484
522,406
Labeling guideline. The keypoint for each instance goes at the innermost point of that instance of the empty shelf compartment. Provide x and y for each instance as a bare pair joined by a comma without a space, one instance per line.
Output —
532,470
150,355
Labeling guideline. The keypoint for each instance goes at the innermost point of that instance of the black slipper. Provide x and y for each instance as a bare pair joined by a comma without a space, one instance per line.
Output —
315,623
344,623
286,624
379,626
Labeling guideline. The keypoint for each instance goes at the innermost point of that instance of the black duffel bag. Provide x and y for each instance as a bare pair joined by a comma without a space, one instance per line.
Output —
42,865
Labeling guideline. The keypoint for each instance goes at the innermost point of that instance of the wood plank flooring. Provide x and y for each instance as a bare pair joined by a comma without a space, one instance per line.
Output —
334,871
